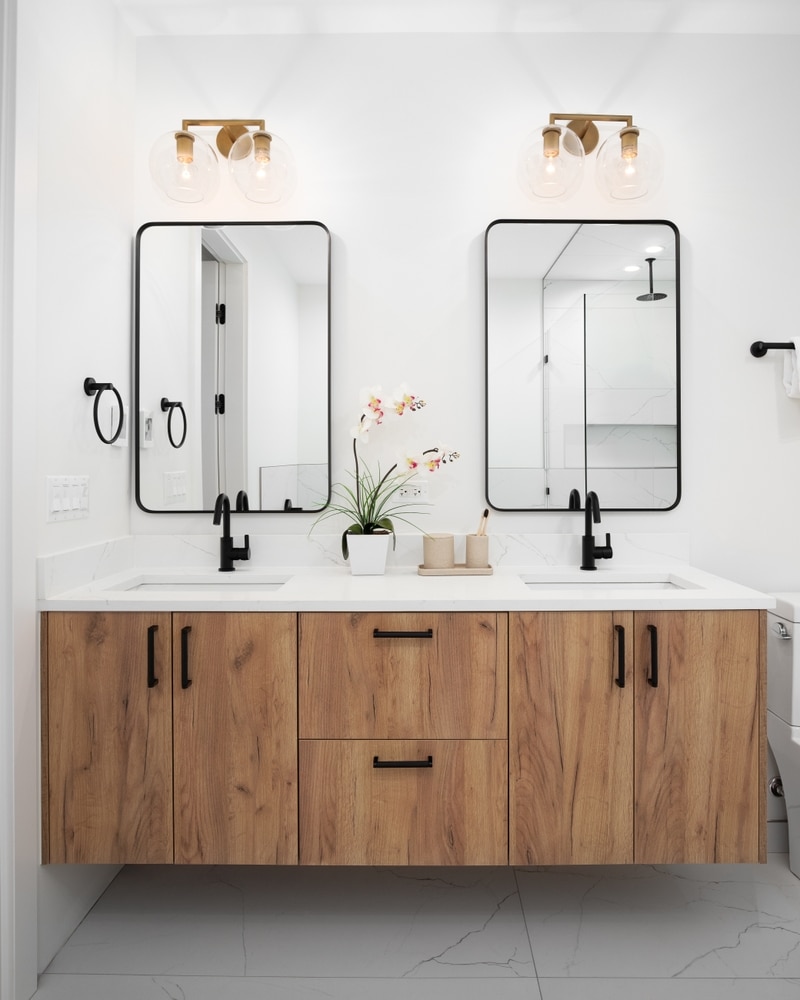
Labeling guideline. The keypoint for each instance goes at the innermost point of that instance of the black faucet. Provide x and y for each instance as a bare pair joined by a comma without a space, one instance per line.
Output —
227,550
574,500
590,551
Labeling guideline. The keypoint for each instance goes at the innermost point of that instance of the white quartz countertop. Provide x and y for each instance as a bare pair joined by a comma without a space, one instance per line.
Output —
252,588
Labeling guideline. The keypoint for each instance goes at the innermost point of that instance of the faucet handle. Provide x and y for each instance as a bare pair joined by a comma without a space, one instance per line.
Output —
604,551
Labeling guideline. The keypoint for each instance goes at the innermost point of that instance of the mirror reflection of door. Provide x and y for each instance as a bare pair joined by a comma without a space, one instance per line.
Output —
267,355
223,367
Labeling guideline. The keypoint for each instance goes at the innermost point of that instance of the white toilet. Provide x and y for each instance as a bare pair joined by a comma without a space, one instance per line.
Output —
783,709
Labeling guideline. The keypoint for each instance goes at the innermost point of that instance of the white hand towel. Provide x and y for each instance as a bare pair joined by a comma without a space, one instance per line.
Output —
791,372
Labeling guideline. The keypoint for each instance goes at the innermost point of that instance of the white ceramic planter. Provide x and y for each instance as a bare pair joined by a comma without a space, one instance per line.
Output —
368,554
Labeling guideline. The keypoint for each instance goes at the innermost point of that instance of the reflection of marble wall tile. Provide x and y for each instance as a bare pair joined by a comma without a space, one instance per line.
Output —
646,488
635,406
636,446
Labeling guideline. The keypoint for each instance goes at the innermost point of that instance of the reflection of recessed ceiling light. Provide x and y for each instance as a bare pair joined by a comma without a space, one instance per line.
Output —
653,249
632,267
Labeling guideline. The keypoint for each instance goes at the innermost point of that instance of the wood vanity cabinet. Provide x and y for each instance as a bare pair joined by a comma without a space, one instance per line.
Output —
153,715
403,738
665,769
447,738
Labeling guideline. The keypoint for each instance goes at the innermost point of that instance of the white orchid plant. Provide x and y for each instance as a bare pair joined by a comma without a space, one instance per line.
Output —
372,502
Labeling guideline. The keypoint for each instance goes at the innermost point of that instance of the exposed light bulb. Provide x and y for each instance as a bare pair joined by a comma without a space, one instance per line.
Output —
548,166
184,166
629,165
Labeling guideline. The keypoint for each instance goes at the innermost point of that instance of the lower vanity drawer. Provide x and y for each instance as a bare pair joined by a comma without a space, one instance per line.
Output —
403,802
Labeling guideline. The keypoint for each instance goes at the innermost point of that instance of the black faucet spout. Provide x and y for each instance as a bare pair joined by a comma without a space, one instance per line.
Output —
228,552
589,551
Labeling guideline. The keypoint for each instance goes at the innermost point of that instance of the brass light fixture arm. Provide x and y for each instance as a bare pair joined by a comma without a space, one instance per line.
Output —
230,129
584,126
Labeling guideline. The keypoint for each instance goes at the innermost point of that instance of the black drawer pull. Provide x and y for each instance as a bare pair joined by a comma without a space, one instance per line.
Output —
422,634
185,679
652,680
620,678
152,680
402,763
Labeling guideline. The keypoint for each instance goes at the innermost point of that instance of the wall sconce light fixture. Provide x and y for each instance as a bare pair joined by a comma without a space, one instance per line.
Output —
186,167
629,164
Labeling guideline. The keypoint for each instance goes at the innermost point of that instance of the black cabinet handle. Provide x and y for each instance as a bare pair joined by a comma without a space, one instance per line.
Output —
402,763
652,680
422,634
152,680
620,678
185,679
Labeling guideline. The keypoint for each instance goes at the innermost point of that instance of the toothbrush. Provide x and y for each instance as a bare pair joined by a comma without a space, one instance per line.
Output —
482,523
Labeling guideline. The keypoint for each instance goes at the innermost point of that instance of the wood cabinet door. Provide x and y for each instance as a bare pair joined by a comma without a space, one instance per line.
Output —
235,733
570,738
364,802
699,737
403,676
107,732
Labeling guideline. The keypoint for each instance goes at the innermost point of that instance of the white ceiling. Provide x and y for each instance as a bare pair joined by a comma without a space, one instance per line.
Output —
234,17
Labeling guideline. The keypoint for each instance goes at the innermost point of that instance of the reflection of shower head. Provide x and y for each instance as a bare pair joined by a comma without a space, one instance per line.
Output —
651,296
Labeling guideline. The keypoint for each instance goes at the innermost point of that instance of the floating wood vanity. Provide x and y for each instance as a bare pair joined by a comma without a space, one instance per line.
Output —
522,736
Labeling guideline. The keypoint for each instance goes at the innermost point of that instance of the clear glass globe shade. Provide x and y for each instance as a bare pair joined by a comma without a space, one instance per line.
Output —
621,178
185,169
542,176
263,171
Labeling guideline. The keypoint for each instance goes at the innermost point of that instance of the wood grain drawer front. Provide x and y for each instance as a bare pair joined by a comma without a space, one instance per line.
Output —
450,811
403,676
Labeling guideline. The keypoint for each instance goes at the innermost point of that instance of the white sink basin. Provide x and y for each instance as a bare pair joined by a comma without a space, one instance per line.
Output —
193,586
605,580
194,583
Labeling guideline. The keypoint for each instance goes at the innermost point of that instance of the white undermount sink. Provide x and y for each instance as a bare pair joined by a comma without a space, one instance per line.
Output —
606,580
196,583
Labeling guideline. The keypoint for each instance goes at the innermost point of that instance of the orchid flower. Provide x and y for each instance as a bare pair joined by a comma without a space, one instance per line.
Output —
372,501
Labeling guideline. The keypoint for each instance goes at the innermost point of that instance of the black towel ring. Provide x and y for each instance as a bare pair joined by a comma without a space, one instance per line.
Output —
96,389
166,404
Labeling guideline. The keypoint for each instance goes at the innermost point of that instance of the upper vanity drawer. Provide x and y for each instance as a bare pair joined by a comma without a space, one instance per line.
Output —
403,676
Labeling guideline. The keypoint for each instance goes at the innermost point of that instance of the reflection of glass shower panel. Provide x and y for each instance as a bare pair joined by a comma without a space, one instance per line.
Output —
563,391
631,399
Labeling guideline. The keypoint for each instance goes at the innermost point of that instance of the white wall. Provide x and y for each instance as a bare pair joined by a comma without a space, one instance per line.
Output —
406,148
71,319
85,232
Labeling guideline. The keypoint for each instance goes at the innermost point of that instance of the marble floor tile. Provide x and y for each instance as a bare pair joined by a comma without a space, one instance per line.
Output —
669,989
691,921
81,987
420,923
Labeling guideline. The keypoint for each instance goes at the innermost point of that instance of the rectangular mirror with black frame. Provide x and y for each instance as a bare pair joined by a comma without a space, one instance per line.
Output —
232,365
582,363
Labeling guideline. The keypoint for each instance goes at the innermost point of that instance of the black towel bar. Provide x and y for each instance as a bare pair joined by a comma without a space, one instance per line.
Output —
759,348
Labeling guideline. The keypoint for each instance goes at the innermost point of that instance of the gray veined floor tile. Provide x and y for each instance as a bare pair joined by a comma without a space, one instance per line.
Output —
687,921
404,923
313,922
63,987
669,989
